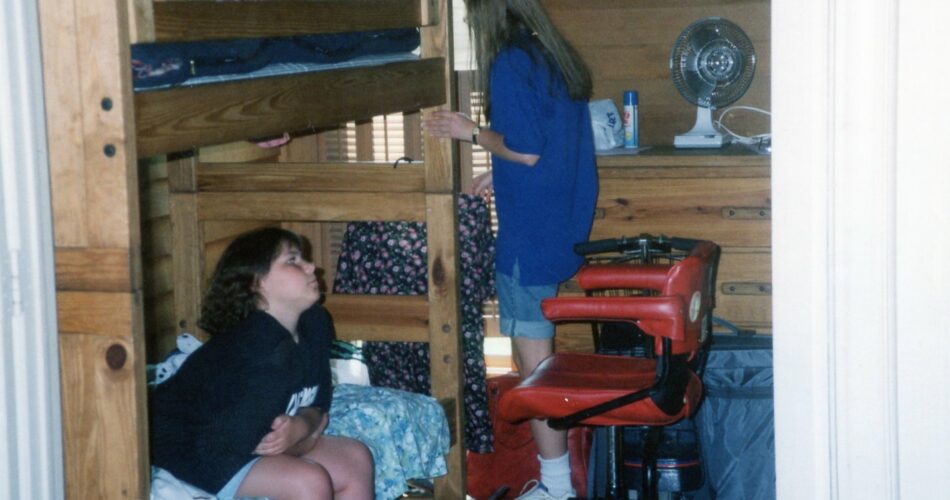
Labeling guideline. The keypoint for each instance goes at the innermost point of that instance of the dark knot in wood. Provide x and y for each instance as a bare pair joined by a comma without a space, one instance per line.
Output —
438,272
116,356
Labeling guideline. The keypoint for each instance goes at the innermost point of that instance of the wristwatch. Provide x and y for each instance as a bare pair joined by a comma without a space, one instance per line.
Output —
475,131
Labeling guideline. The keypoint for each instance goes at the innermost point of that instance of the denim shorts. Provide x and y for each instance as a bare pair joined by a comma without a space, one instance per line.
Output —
230,490
520,307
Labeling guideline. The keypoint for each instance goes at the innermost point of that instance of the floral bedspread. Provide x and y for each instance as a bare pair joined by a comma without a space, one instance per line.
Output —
406,432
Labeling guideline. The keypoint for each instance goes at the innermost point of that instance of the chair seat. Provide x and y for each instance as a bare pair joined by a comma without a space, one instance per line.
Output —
566,383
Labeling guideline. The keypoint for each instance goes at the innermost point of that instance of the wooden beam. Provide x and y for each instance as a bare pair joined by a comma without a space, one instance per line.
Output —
449,407
202,20
181,119
402,318
442,184
295,177
187,261
141,21
99,313
412,135
93,269
102,436
445,335
440,154
312,206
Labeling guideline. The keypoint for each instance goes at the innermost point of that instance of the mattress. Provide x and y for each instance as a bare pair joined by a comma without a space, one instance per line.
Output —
163,65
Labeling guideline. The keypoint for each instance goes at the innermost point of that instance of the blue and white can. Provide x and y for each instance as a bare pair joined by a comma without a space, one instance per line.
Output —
631,127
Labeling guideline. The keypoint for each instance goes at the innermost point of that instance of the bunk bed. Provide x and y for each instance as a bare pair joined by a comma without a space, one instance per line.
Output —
173,122
310,192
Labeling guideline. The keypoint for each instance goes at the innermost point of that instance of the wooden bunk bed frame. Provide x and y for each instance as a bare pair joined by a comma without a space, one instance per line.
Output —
99,128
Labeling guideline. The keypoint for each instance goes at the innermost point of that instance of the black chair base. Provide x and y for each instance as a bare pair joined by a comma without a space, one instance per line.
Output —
675,467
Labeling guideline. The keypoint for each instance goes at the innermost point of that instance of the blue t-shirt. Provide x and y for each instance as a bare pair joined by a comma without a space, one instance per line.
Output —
545,209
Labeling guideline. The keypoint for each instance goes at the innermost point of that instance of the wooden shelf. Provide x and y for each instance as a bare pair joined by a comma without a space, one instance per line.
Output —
667,161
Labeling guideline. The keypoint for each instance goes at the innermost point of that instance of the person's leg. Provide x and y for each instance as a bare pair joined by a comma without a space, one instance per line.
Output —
529,353
350,464
532,342
285,477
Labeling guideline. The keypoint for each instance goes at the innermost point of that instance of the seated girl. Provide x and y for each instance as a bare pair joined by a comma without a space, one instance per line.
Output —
244,415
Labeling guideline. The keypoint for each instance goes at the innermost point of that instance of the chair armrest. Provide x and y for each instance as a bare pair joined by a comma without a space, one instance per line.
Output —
658,316
602,276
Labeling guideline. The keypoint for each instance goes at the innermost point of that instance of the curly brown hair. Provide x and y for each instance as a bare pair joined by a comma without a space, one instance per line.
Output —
232,294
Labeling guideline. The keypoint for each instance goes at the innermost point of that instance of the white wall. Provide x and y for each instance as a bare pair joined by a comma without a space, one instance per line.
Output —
31,457
860,235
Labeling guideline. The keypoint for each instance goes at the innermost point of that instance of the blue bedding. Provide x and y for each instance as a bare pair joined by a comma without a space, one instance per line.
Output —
158,65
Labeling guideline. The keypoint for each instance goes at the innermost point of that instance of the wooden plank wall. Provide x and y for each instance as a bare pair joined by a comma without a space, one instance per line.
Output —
627,45
98,263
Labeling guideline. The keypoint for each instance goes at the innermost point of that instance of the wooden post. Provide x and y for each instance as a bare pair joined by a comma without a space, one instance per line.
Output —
94,187
442,185
187,244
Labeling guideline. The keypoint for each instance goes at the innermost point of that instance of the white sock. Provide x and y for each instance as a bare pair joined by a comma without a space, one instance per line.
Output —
556,474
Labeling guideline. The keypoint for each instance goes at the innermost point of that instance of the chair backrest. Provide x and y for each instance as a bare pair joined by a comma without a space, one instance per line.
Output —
693,279
681,312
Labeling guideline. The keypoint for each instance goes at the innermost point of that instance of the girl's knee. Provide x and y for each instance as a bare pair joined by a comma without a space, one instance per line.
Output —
310,481
361,457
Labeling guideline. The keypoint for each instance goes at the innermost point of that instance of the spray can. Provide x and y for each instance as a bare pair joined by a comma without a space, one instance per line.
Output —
631,127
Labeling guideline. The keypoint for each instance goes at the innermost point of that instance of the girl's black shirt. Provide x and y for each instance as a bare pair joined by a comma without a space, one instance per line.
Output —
206,421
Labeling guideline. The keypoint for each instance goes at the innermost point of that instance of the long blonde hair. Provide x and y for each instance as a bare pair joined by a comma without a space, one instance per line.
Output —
496,24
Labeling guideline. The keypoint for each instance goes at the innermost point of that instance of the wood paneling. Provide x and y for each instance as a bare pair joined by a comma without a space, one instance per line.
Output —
290,177
227,112
235,152
401,317
685,207
202,20
312,206
628,44
722,195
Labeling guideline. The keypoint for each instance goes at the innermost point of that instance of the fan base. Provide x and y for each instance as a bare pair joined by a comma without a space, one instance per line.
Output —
686,141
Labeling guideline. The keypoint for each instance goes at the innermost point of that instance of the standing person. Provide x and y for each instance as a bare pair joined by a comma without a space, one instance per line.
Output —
244,415
544,179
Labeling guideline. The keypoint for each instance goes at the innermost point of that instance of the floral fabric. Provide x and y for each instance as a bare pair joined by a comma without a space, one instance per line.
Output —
406,433
390,258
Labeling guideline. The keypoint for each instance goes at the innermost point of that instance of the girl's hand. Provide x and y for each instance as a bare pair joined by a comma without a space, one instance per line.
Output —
279,439
482,185
448,124
294,435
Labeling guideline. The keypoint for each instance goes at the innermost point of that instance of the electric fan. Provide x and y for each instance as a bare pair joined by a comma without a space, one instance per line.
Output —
712,64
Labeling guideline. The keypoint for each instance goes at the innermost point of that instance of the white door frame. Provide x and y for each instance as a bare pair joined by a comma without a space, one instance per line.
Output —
860,181
31,446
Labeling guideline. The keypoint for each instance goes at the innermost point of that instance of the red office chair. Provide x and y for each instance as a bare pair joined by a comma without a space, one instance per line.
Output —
570,389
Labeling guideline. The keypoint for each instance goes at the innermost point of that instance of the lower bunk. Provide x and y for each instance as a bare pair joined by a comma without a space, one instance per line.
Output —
407,434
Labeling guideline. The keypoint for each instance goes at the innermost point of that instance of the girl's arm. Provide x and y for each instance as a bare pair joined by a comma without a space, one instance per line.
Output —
294,435
458,126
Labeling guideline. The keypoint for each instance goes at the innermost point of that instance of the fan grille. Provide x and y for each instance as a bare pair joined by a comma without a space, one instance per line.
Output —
712,62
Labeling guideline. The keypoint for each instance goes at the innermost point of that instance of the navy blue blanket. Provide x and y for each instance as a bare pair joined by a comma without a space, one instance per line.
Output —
161,64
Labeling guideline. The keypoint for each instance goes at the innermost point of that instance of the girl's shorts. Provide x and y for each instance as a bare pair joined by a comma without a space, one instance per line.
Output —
230,490
520,307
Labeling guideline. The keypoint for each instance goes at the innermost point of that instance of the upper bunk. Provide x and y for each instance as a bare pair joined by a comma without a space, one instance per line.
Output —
182,118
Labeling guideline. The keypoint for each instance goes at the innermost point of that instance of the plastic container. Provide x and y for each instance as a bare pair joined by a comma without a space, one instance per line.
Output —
631,126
